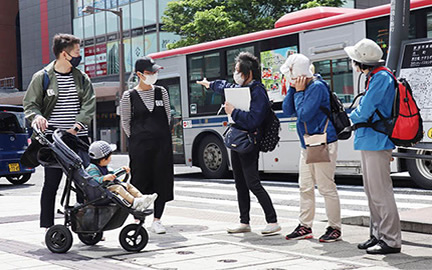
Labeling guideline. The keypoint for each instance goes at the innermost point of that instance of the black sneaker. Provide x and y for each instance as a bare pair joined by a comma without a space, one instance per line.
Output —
301,232
331,235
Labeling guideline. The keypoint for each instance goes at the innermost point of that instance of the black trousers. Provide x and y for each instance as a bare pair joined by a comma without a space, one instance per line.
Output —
246,176
52,179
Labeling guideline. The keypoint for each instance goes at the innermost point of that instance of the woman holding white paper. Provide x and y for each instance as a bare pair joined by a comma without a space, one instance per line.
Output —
245,166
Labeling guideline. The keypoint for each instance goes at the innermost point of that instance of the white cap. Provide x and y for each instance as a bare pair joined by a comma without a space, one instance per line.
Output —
297,65
101,149
366,51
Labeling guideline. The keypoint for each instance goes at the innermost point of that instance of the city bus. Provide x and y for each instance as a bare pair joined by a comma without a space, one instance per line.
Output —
319,33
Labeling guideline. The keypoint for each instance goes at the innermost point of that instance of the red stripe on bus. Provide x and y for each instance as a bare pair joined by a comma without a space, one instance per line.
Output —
353,16
44,31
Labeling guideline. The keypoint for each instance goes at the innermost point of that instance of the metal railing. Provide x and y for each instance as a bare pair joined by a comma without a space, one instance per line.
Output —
7,83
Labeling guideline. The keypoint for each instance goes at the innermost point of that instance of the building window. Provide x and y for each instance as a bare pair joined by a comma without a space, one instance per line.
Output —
137,14
149,12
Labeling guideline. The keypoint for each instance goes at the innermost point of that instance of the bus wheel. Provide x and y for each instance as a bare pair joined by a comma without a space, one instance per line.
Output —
421,170
213,157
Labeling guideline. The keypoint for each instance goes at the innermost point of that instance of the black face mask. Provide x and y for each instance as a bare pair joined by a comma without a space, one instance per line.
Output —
75,61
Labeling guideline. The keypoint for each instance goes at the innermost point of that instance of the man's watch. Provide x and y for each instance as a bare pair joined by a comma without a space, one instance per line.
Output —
76,129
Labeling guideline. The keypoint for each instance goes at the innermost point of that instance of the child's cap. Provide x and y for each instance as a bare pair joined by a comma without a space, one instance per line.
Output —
101,149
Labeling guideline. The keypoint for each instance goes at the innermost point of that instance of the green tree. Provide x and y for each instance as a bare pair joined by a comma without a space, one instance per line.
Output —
198,21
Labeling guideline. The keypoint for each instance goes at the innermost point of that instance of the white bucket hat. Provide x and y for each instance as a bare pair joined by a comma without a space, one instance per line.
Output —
101,149
296,65
366,51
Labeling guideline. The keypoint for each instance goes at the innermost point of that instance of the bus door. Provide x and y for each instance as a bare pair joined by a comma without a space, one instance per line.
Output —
172,85
325,48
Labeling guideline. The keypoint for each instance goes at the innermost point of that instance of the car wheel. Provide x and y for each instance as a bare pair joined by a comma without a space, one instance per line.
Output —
133,238
421,169
90,239
18,179
58,239
213,157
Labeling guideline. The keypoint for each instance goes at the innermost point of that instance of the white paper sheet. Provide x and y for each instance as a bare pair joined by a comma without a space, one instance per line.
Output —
239,97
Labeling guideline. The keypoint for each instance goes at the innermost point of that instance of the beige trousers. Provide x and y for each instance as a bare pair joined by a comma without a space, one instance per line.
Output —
378,185
126,191
322,175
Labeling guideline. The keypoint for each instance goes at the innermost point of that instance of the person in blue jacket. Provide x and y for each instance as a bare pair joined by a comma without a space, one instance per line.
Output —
245,165
306,94
376,149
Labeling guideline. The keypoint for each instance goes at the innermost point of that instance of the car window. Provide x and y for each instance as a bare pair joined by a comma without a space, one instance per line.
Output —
12,122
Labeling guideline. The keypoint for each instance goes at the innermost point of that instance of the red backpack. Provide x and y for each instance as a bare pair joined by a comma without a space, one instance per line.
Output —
405,125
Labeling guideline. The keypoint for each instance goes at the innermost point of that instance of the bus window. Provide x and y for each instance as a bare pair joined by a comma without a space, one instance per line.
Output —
429,24
231,55
203,101
338,74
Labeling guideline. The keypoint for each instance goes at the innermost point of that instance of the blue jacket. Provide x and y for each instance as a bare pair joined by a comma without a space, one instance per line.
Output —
259,105
379,96
305,105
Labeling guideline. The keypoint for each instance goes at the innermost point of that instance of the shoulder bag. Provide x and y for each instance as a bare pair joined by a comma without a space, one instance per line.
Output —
316,146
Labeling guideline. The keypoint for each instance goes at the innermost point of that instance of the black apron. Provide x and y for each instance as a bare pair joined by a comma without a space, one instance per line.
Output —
150,148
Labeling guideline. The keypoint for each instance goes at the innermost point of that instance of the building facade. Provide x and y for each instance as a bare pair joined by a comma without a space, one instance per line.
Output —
31,25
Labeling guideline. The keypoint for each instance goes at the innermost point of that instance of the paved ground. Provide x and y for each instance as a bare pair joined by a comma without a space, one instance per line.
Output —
196,237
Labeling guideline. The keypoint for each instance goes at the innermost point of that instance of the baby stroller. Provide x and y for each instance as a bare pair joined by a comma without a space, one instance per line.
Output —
100,211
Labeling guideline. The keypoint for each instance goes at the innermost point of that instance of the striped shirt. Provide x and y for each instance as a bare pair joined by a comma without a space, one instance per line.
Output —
68,105
147,97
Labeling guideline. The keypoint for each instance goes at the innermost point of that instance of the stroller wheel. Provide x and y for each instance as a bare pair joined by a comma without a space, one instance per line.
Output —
90,239
133,237
58,239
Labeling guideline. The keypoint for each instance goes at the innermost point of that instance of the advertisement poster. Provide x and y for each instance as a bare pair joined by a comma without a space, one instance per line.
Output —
273,80
137,48
90,61
101,62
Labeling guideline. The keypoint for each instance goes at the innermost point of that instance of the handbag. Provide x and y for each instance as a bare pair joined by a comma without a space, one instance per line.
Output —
241,141
316,146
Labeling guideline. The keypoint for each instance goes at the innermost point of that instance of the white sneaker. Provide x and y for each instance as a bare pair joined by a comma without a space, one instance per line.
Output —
146,200
271,228
157,227
241,228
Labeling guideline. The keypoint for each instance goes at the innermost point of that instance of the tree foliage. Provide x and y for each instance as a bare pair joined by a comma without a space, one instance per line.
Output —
198,21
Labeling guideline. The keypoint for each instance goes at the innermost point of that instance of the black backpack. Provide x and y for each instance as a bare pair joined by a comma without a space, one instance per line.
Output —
338,115
270,132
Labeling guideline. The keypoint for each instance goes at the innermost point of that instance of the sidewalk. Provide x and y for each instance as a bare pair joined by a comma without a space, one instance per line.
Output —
196,239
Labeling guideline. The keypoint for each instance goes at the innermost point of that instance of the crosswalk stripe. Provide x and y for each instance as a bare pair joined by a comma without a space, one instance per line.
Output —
296,197
344,212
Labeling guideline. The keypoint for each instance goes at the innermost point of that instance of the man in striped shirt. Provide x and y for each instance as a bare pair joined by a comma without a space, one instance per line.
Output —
67,103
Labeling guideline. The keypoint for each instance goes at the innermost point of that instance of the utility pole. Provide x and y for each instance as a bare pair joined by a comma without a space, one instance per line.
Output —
398,30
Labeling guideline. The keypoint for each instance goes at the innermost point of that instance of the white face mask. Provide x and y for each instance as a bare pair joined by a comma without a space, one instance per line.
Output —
150,79
238,78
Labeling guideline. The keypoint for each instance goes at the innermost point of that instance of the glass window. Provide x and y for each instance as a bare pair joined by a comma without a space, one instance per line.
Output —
137,49
127,55
137,14
149,12
78,27
77,8
112,22
162,7
123,2
112,58
231,55
338,74
100,23
166,38
111,3
203,101
126,17
429,25
150,43
88,26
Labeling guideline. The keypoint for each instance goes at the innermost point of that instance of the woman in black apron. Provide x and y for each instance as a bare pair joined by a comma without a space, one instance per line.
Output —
145,114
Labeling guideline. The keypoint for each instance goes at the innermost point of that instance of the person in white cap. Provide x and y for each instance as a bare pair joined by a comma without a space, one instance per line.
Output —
306,94
376,149
100,154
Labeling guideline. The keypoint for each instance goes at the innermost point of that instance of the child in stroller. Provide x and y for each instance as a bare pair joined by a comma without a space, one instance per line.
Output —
100,154
100,210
